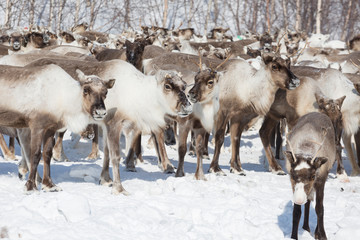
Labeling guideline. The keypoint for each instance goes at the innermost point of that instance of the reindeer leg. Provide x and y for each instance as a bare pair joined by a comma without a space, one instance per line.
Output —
12,145
236,129
199,138
105,176
192,149
36,139
306,216
48,143
94,154
347,142
8,155
130,160
264,133
184,129
138,148
296,220
113,137
58,150
319,209
205,147
219,141
164,162
24,137
279,140
357,144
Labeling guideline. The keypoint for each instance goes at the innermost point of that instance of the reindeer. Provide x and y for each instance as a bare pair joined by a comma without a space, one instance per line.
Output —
131,106
294,104
354,43
310,155
332,108
244,98
74,110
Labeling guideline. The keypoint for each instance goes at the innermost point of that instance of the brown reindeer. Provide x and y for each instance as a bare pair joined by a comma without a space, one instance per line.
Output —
82,101
310,155
332,108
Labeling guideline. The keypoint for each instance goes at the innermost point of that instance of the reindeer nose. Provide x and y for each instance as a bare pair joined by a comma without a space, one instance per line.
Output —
100,114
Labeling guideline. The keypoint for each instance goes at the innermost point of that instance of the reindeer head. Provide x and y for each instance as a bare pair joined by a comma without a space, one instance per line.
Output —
39,40
279,69
173,88
303,175
94,93
330,107
134,51
205,86
17,40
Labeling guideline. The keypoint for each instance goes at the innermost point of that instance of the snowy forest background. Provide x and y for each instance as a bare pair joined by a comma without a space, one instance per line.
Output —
339,18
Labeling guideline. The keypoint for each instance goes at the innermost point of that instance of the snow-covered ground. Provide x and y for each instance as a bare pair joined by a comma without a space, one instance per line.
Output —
255,206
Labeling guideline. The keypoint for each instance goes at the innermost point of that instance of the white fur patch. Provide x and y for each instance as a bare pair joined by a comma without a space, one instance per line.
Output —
302,165
299,197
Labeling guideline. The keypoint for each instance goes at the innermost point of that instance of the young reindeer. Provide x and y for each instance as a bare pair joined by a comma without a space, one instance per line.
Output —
332,108
310,155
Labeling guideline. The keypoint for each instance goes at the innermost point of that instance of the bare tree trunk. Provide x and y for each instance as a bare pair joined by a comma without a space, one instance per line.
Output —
243,18
284,5
51,14
272,13
268,15
346,24
254,17
8,13
127,14
77,10
318,17
20,13
207,17
216,12
60,14
166,6
31,12
298,16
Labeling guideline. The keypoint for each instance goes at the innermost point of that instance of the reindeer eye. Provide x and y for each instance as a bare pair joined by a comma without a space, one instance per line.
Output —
168,87
86,90
274,67
211,82
313,177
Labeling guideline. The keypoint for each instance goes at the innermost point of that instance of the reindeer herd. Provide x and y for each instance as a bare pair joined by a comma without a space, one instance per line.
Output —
169,83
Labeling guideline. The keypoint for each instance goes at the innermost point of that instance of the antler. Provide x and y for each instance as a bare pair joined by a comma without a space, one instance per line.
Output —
291,149
317,152
302,50
198,64
356,65
226,59
278,44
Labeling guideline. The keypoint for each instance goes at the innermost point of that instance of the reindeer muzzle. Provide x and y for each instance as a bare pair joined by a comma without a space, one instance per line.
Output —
16,45
294,82
99,114
185,110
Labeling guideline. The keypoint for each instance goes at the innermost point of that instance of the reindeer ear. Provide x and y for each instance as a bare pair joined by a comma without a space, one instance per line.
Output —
110,83
267,58
81,75
320,99
289,156
319,161
340,101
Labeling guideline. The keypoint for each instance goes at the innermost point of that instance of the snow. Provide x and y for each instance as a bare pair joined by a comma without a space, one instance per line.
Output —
255,206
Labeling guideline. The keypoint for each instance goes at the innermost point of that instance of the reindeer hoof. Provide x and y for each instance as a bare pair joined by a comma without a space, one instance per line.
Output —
179,173
237,172
217,171
200,177
278,172
169,169
130,169
119,189
192,153
206,156
343,177
30,187
93,156
10,157
106,182
52,188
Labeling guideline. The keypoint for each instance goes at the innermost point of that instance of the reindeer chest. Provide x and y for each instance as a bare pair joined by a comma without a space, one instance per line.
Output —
206,115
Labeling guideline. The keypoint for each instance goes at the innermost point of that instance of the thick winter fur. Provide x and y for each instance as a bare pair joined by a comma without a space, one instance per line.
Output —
310,155
69,104
137,101
244,94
